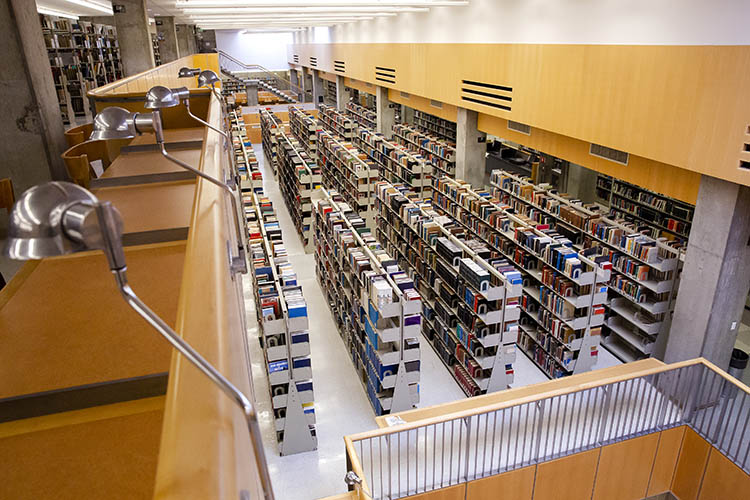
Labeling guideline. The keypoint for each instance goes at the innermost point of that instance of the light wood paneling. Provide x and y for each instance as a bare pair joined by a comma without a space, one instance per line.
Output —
660,177
637,455
570,477
690,466
150,162
446,112
172,135
110,457
724,480
686,106
515,485
667,454
360,85
457,492
327,76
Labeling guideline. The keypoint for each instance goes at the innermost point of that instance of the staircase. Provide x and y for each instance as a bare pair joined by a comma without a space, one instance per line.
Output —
268,81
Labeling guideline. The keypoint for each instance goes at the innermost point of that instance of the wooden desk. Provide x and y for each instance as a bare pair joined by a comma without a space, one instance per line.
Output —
172,136
63,324
152,213
104,452
148,166
625,370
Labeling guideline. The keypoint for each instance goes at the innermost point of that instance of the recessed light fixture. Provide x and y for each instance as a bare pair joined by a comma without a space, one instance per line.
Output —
58,13
89,4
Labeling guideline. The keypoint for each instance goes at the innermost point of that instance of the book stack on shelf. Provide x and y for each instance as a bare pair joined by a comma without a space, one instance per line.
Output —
82,56
439,152
568,216
471,295
305,128
283,326
271,128
251,178
396,164
374,304
665,216
349,172
564,290
337,122
362,115
330,91
431,124
298,176
643,286
155,49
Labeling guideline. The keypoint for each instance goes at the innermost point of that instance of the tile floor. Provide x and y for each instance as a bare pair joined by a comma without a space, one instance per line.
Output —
341,406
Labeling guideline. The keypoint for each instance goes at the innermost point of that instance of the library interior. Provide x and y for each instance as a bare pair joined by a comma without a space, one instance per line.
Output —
336,249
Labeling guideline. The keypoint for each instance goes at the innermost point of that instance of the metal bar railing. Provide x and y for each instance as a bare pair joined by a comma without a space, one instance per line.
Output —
231,63
438,452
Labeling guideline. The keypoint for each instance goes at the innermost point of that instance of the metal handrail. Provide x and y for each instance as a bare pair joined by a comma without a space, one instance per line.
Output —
458,447
254,67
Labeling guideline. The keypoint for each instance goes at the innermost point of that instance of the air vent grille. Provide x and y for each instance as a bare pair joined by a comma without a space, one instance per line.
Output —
313,61
339,66
519,127
487,94
745,164
405,95
436,104
386,75
296,58
610,154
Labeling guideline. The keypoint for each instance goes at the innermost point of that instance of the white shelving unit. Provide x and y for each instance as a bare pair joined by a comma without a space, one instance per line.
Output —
362,115
439,152
337,122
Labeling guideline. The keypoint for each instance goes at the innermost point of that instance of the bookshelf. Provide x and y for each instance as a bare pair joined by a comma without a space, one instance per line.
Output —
251,178
395,162
283,330
349,172
439,152
374,304
666,216
470,297
337,122
305,128
330,95
270,129
645,271
432,124
564,290
82,56
362,115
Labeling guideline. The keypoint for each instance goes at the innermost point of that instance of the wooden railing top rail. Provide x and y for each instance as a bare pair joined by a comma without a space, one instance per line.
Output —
205,448
595,379
166,75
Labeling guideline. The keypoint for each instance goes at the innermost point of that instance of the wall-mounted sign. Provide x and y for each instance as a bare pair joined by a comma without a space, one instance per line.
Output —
159,22
118,9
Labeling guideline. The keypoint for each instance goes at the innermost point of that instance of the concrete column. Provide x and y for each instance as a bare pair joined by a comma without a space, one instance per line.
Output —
342,94
208,41
252,92
31,128
133,36
407,115
184,32
581,183
386,113
304,87
167,38
192,45
470,152
317,88
716,275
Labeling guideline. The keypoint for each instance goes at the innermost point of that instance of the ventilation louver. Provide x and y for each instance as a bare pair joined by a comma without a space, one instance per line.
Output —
519,127
313,61
339,66
386,75
405,95
610,154
436,104
295,57
487,94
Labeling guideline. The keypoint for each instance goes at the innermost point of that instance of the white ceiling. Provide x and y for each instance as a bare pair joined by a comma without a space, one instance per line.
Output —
259,14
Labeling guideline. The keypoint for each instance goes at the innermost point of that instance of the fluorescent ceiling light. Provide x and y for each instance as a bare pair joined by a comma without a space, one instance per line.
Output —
284,16
93,5
184,4
300,10
58,13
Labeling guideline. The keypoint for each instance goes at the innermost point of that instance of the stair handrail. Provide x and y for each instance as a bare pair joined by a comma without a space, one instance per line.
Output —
254,67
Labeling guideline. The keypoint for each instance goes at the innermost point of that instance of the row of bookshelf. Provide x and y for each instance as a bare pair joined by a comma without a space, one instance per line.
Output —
645,270
362,115
440,153
283,323
270,129
432,124
470,304
245,161
337,122
563,289
305,128
374,304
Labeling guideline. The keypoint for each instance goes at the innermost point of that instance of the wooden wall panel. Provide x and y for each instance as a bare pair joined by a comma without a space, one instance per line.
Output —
724,480
685,106
660,177
670,442
457,492
638,456
446,112
359,85
515,485
690,466
573,475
